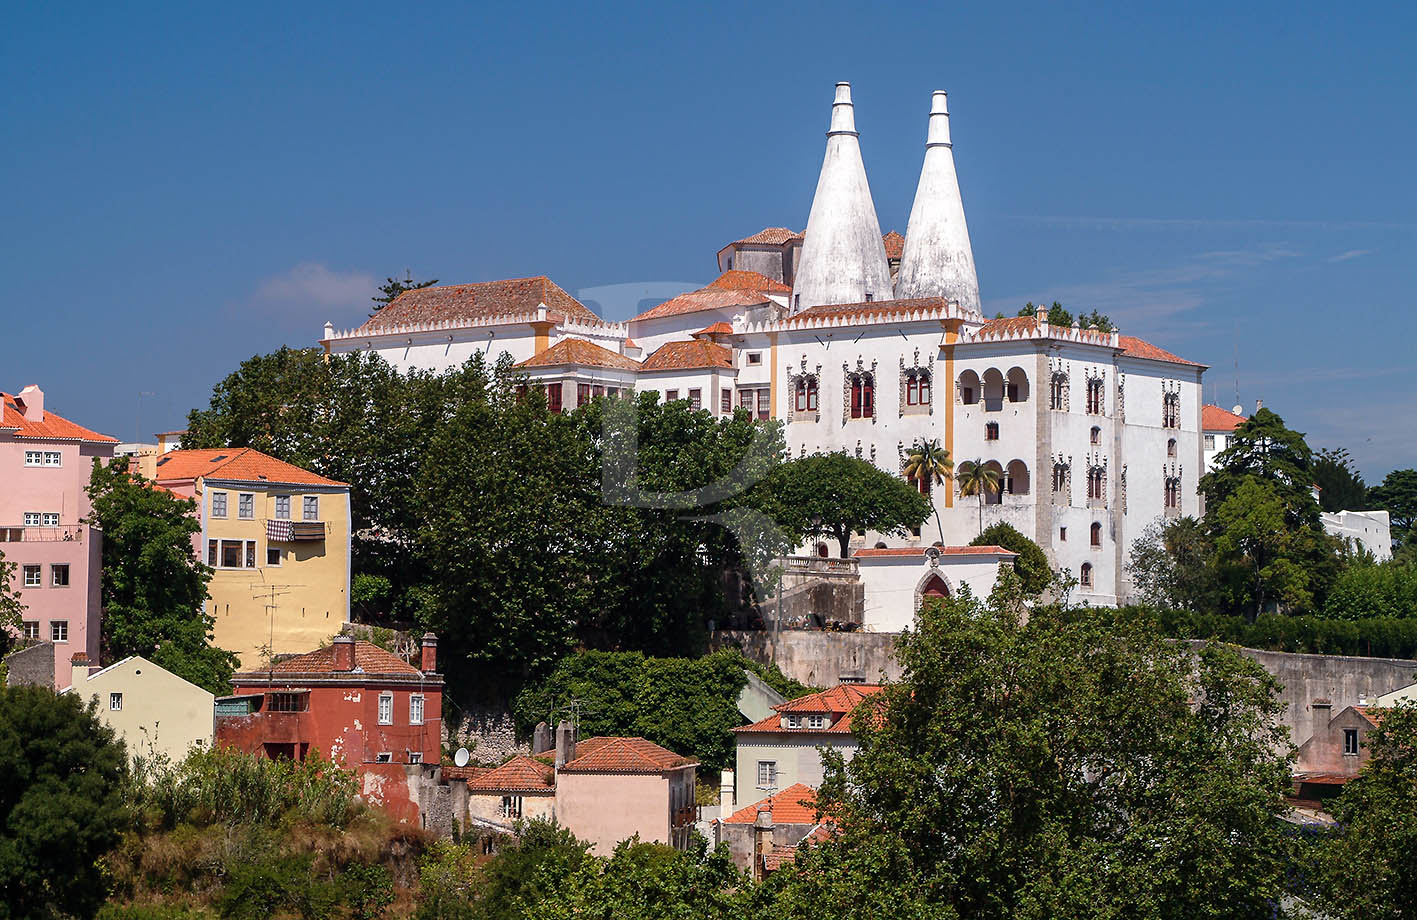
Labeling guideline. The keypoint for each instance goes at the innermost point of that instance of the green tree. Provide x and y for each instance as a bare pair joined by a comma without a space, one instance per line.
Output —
1031,565
532,870
154,588
838,494
1263,447
1171,565
11,608
62,776
975,478
393,287
928,464
1367,867
1397,495
1341,487
651,881
1057,315
1256,552
1071,765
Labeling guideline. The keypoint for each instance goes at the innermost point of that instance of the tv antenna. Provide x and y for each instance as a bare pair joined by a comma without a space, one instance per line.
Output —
270,592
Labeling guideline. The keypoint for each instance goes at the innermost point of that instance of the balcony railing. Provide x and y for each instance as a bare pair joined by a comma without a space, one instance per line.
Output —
819,565
293,531
14,533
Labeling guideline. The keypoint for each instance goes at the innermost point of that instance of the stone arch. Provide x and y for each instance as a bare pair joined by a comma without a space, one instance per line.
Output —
993,498
1016,385
969,388
932,584
1016,478
993,388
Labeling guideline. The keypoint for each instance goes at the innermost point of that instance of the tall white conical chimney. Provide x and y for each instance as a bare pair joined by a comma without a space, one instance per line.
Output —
937,260
843,259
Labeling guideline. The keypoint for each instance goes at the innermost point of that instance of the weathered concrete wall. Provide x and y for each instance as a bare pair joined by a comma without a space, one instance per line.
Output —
489,733
818,659
823,659
31,667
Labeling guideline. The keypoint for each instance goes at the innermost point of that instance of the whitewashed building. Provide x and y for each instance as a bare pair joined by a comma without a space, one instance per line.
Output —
867,344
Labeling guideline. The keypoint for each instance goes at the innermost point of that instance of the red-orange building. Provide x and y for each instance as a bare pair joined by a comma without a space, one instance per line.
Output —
356,704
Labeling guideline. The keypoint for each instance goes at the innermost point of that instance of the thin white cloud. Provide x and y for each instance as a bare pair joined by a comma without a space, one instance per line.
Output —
1081,222
1350,254
311,285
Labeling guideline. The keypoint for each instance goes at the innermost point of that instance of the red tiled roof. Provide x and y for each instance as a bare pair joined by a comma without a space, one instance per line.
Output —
368,659
770,236
740,280
1372,713
1214,418
581,352
520,774
875,308
1137,348
797,804
1010,324
453,771
838,701
708,298
453,302
895,244
624,755
679,356
240,464
944,551
54,426
719,328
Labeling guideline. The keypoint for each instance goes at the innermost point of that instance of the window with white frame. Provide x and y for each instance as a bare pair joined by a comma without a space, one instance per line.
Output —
282,507
218,504
58,630
1210,442
34,458
725,402
115,702
1350,742
43,458
310,508
816,721
31,630
59,575
53,458
415,757
41,518
384,757
767,774
415,709
511,806
696,399
34,576
231,554
386,709
245,506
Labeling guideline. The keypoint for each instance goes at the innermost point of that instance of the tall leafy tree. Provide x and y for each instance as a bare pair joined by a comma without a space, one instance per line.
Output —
1341,487
928,464
977,479
836,494
1397,494
154,587
1367,866
62,803
393,287
1171,565
1070,764
11,608
1035,575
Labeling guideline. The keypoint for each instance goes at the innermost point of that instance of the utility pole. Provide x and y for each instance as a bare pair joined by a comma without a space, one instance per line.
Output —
270,592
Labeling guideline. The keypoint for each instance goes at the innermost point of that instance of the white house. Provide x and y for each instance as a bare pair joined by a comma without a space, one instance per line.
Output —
866,344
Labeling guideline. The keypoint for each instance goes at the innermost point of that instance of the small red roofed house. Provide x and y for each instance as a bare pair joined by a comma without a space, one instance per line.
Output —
1336,752
1217,428
355,704
770,827
522,788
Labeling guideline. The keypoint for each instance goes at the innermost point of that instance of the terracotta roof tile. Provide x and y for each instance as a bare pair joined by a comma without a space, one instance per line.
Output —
895,244
740,280
368,659
771,236
453,771
1010,324
706,298
54,426
678,356
944,551
520,774
1137,348
1214,418
882,308
453,302
580,352
240,464
716,329
797,804
624,755
839,701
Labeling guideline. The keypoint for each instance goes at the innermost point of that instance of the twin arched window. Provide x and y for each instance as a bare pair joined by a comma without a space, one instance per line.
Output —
917,388
863,396
807,394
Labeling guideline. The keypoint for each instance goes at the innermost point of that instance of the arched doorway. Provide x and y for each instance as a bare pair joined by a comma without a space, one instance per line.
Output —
935,587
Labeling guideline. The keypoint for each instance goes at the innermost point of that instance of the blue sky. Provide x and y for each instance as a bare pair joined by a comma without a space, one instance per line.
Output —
187,187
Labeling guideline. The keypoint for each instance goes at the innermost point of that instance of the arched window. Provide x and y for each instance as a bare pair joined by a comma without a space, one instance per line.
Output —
1171,448
1096,533
1096,435
1173,493
863,396
991,431
1096,484
807,393
993,390
1096,398
1016,385
1058,391
969,388
1171,410
917,388
1016,478
1062,489
1085,576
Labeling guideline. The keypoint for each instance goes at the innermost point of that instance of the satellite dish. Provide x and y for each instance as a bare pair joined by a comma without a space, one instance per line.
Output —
1238,410
461,757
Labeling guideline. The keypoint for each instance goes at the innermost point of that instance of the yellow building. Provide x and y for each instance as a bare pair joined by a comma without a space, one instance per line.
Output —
278,540
154,711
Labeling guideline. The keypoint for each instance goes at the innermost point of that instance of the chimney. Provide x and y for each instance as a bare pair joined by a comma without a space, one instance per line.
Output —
541,740
31,398
762,839
344,653
428,660
726,799
1259,404
565,743
81,667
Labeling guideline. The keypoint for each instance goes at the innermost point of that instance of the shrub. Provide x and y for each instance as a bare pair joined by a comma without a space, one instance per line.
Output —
1368,591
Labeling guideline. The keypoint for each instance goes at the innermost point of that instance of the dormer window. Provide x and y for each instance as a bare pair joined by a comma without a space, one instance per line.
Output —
818,722
793,722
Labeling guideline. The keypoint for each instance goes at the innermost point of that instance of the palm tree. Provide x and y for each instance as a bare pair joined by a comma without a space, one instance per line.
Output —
928,463
975,479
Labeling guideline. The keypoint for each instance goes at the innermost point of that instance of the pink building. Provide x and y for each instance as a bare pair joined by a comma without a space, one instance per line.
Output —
46,461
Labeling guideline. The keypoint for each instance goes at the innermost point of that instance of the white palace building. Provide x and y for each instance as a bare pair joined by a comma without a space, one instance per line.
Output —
867,344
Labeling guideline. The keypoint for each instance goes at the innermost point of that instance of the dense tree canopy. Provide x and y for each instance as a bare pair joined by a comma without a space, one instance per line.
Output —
1073,765
11,607
62,808
1057,315
154,587
1397,494
1171,565
1032,563
836,494
1341,487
